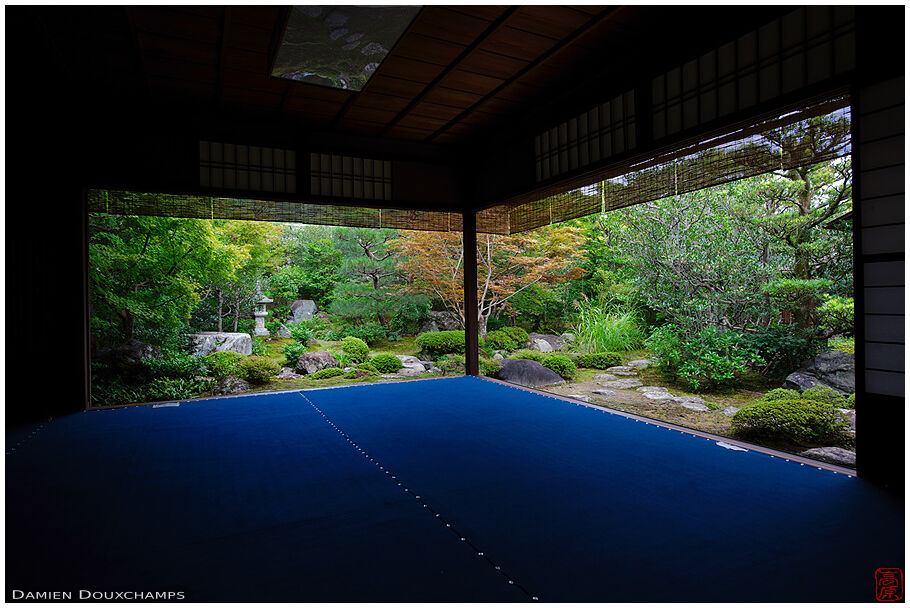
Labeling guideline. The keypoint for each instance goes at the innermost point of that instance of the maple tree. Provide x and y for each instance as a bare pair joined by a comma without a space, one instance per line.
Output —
433,263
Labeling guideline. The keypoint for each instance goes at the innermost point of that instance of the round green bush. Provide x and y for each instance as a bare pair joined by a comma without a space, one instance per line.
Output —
292,352
355,348
779,394
795,420
437,343
533,355
598,360
500,340
329,372
386,363
223,364
367,367
560,364
258,370
825,394
519,335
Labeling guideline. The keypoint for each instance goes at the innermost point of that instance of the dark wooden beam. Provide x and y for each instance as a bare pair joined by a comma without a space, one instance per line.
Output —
553,50
222,52
471,341
461,56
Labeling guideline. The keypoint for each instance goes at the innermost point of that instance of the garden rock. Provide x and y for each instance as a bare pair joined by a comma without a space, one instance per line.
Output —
283,331
584,398
651,389
689,399
124,358
604,377
310,363
411,362
207,342
452,366
525,372
410,372
848,416
832,455
729,411
604,392
834,368
692,405
628,374
498,357
287,373
440,320
640,363
302,310
568,338
620,368
554,342
230,385
623,383
655,396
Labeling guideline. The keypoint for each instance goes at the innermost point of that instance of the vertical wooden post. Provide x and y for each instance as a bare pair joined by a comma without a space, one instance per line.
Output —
469,228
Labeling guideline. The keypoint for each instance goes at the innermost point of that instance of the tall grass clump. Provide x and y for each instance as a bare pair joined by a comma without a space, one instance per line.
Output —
600,329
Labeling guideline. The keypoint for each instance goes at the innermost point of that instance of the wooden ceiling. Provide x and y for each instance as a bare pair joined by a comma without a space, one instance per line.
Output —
456,69
458,73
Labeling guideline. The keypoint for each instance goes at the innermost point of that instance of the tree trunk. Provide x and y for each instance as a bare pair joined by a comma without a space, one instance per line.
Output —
128,323
236,312
220,309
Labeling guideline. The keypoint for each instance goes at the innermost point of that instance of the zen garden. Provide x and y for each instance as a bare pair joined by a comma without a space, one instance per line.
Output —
727,310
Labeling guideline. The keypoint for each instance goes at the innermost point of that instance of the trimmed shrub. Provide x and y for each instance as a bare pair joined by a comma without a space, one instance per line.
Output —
438,343
386,363
795,420
356,349
490,368
368,367
533,355
779,394
519,335
258,370
329,372
598,360
223,364
371,333
499,340
560,364
851,402
451,364
825,394
292,351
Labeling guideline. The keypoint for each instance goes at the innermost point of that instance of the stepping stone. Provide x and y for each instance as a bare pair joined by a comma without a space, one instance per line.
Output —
652,389
698,407
688,399
625,383
639,363
658,396
729,411
618,373
584,398
602,391
604,377
833,455
620,368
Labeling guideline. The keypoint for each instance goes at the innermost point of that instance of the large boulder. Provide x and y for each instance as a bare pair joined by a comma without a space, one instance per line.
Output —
546,343
410,362
525,372
302,310
310,363
230,385
834,369
283,332
440,320
207,342
125,358
286,373
840,456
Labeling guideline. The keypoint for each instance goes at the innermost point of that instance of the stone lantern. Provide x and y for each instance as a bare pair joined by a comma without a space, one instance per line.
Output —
261,313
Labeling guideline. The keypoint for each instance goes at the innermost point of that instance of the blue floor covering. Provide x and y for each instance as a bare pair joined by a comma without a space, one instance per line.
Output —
296,497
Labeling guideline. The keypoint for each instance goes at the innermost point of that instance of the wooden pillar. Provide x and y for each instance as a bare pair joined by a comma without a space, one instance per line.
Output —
469,228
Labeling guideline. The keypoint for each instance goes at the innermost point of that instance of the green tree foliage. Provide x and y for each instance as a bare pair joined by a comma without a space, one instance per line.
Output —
311,268
370,288
146,273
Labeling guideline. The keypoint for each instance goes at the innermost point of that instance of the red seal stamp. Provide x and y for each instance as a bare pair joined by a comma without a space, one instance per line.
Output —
889,584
